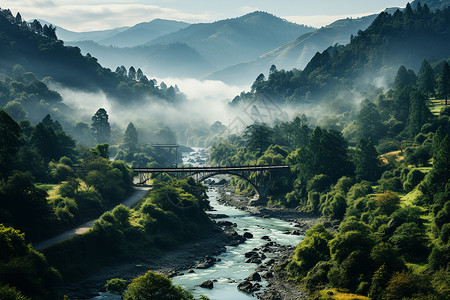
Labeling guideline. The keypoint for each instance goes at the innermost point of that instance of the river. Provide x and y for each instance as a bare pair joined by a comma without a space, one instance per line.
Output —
231,269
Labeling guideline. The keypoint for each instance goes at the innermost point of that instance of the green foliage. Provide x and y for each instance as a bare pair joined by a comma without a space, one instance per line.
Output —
313,249
368,121
116,285
38,219
155,286
9,144
258,137
24,273
130,139
366,161
11,293
100,127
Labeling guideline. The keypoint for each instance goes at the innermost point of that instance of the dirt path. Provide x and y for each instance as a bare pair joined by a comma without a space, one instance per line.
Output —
138,194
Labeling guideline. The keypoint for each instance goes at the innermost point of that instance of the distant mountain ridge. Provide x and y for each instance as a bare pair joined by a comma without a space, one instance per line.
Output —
296,53
143,32
232,41
68,35
160,60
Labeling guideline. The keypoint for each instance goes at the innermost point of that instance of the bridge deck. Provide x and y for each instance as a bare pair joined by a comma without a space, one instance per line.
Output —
208,169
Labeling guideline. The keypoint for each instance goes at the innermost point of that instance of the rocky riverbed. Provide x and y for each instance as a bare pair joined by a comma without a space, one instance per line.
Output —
203,253
278,286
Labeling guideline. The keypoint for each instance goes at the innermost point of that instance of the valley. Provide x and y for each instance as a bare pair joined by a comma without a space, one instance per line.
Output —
176,151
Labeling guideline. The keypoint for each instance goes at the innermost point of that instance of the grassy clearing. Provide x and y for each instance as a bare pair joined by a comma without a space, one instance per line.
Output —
48,187
436,105
410,198
339,295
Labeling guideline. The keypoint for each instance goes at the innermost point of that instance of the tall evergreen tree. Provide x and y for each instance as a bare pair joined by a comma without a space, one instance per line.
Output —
258,136
369,121
366,160
10,143
427,81
131,138
139,74
444,82
100,126
419,113
132,73
404,78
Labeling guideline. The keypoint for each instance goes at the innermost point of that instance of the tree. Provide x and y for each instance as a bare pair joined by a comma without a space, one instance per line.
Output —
368,121
366,161
10,143
155,286
404,78
131,138
444,82
100,126
50,32
121,71
18,18
24,272
139,74
132,73
258,81
258,137
419,113
427,81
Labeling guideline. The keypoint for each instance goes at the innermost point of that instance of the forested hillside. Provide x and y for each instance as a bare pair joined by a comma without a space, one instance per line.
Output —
295,54
403,38
379,174
37,49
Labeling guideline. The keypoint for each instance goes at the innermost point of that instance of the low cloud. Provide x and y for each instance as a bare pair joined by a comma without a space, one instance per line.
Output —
323,20
86,17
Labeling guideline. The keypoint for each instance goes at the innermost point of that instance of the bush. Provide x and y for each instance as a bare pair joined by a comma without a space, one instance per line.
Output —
155,286
116,285
414,177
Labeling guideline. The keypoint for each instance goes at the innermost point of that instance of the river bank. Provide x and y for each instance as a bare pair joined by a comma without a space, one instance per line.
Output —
278,286
212,242
205,250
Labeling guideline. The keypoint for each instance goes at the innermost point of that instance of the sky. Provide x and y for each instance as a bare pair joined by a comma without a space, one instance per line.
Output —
91,15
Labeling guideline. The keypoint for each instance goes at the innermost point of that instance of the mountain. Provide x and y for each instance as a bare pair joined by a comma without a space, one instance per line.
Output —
296,53
143,32
31,47
159,60
232,41
404,38
67,35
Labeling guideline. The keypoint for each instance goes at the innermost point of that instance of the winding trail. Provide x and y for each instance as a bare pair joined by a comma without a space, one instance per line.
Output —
138,194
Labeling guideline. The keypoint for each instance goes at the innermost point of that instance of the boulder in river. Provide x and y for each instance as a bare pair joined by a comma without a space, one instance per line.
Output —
207,284
248,235
266,238
254,277
251,254
248,287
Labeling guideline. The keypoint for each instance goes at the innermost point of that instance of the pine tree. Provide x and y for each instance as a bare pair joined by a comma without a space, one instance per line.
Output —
366,160
100,126
131,138
9,144
368,121
132,73
427,81
444,82
139,74
419,113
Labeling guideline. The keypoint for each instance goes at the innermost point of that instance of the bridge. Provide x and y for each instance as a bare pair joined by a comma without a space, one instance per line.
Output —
202,173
